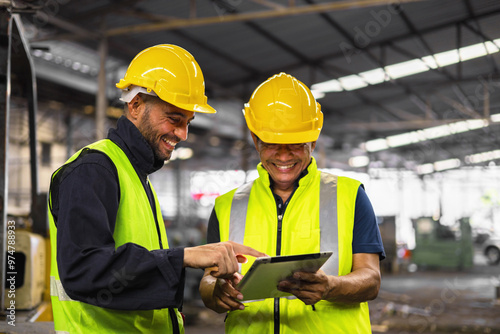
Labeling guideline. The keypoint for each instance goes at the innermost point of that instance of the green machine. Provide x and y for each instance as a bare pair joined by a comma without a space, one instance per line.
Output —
439,246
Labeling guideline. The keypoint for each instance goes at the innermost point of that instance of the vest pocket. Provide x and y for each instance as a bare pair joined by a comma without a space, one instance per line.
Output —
305,238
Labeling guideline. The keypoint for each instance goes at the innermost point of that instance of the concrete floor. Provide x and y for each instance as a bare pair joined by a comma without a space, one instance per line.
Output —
422,302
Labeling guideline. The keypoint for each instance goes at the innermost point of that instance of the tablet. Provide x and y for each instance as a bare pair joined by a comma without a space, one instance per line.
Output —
262,278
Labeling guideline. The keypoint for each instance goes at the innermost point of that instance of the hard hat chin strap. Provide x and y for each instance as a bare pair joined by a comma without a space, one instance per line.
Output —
131,91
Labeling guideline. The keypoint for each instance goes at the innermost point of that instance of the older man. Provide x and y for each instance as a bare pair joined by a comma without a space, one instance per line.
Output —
293,208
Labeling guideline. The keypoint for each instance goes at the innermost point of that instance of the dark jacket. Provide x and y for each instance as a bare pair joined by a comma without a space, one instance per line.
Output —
85,197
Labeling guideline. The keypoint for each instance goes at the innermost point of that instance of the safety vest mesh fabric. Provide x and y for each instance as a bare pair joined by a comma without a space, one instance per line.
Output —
135,223
319,217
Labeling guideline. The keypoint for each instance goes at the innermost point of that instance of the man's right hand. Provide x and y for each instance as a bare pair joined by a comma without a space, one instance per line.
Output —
222,257
220,294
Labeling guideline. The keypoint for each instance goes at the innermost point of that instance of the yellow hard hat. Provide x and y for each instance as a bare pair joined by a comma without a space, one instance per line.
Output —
172,73
282,110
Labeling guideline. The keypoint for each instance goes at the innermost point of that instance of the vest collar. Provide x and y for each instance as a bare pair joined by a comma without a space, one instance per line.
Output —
132,142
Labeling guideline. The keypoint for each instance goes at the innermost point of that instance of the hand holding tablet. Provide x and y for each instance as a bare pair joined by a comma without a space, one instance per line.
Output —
262,278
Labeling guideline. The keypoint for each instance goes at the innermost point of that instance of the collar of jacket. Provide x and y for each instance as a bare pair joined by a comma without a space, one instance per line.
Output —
301,180
132,142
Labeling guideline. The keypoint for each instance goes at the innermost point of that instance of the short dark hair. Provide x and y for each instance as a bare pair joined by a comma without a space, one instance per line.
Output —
150,98
147,99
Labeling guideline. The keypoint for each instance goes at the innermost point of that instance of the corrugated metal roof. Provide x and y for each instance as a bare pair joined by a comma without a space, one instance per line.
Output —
240,43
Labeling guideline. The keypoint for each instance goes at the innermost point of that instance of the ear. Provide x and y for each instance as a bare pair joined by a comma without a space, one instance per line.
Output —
135,107
313,145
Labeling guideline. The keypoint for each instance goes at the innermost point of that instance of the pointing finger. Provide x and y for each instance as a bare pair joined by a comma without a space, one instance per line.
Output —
242,249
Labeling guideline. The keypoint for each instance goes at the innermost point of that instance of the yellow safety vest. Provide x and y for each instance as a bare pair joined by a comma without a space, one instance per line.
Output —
71,316
319,217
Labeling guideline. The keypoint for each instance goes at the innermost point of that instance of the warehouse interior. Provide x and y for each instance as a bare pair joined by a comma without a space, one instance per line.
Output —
409,90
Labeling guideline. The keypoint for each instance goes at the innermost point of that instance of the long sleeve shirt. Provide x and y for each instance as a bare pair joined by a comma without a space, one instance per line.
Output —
91,269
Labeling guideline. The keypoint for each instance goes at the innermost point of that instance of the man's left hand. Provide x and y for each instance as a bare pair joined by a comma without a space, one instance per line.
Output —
308,287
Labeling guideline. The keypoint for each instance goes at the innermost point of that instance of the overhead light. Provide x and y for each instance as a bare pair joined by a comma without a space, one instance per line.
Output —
495,118
317,94
405,138
375,145
425,169
446,58
482,157
408,68
473,51
430,61
437,131
359,161
328,86
491,47
408,138
352,82
446,164
374,77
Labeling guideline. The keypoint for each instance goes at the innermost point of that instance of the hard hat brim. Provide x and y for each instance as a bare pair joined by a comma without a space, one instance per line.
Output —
206,109
288,138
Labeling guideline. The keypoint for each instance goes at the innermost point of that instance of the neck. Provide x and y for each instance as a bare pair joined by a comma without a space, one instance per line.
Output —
283,193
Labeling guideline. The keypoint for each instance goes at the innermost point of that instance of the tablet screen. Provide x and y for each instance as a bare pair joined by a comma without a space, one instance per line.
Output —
262,278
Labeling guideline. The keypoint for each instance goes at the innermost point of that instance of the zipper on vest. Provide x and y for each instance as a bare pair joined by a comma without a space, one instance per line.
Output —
278,241
152,202
175,322
278,252
276,315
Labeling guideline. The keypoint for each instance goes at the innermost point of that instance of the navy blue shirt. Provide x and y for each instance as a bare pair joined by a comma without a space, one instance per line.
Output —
366,234
85,198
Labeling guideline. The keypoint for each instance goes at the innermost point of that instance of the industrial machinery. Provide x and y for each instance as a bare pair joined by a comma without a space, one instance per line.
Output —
440,246
387,227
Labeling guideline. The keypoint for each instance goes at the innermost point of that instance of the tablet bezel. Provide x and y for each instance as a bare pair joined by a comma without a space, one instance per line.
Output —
262,278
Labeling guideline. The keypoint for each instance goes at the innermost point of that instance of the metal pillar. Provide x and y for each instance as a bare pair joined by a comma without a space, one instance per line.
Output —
15,57
101,103
23,66
5,62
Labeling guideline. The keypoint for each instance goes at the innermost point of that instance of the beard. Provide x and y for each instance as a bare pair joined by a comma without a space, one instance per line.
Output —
154,138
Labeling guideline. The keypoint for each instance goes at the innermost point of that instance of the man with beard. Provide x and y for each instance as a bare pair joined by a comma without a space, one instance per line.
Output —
112,270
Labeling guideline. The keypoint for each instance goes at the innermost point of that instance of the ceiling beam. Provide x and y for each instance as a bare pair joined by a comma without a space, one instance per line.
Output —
68,26
468,111
242,17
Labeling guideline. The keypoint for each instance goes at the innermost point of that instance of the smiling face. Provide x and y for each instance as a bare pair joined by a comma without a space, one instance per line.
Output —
162,124
284,162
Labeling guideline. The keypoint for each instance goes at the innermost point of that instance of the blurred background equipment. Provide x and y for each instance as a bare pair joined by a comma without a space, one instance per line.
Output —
387,226
28,271
491,250
439,246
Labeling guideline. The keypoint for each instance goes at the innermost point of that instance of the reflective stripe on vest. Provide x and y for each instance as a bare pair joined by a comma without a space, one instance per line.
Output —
239,208
57,290
328,222
327,218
